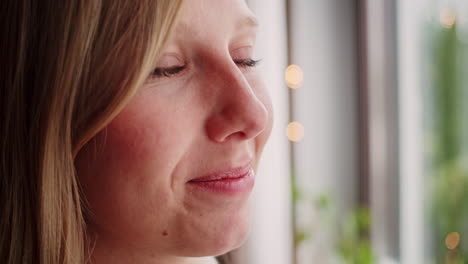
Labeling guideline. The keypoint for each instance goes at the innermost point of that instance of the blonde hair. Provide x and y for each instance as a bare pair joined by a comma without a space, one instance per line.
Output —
68,67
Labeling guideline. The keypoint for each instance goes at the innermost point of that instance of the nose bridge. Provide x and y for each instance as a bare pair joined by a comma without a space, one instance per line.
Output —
239,111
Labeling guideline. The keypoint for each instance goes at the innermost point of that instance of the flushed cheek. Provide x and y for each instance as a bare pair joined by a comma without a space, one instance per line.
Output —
126,180
153,126
130,163
263,96
136,139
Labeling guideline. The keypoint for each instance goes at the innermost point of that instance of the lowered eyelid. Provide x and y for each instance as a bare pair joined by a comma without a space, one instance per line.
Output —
168,61
242,53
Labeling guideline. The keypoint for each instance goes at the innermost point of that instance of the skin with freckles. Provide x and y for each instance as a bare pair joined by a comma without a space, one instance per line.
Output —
203,110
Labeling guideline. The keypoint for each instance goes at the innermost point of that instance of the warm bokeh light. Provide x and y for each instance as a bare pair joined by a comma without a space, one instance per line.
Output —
447,18
452,240
295,131
294,76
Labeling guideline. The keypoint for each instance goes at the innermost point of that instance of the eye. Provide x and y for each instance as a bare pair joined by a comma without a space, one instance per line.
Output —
167,72
246,63
168,65
243,57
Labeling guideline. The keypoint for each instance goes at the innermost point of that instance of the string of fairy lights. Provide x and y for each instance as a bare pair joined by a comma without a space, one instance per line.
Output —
294,76
448,19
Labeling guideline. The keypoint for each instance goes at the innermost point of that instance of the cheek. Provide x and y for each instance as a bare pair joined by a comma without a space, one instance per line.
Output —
264,97
129,140
126,169
147,130
137,146
262,93
116,163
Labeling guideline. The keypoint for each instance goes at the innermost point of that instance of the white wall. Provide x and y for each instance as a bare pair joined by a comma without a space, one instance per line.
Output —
271,237
411,129
324,44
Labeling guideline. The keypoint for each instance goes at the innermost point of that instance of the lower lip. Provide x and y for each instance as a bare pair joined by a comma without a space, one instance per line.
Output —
241,184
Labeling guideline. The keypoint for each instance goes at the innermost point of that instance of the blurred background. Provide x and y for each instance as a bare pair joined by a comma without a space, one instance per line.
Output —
368,158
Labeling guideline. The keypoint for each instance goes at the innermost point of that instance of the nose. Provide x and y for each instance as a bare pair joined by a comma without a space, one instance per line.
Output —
239,112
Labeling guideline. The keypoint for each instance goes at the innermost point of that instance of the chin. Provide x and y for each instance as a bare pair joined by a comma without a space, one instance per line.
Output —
226,236
234,240
234,232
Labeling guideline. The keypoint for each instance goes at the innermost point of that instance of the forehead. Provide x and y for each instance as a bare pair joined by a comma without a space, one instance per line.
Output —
202,17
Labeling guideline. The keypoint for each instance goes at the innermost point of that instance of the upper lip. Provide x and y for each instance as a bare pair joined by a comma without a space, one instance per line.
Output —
231,173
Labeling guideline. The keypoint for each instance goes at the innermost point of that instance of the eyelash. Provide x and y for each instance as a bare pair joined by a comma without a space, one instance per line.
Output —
168,72
247,62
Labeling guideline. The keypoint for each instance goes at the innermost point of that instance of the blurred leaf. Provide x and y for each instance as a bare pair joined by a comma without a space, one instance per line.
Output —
301,236
323,202
297,194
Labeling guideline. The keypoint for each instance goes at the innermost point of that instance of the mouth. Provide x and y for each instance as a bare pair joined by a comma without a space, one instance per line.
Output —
232,181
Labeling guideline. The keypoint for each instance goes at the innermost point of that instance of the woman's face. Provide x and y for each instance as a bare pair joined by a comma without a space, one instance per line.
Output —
172,173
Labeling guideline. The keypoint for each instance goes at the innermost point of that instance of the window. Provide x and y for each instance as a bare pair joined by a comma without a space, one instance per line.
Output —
379,89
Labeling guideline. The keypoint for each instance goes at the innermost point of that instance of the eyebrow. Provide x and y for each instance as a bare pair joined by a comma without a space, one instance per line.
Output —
249,21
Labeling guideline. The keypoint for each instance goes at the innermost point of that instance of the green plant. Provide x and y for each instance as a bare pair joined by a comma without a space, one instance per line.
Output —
352,244
445,121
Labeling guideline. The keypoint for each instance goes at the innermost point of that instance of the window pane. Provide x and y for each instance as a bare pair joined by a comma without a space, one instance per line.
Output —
433,70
